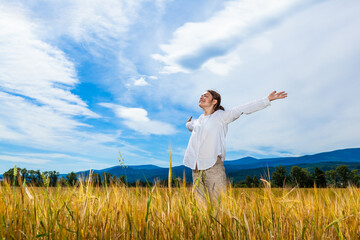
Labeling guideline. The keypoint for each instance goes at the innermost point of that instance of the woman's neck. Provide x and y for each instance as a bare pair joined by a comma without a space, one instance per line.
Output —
208,111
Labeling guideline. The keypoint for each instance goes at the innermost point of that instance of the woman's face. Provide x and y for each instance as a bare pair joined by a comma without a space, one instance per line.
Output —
206,100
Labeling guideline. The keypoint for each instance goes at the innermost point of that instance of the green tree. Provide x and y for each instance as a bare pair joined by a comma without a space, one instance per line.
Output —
343,174
24,174
278,177
32,177
71,178
319,178
301,177
9,176
63,182
248,181
96,179
106,178
122,179
331,178
39,181
256,181
53,177
354,177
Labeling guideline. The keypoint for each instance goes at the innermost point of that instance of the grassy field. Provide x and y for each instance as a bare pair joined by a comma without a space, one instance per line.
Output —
119,212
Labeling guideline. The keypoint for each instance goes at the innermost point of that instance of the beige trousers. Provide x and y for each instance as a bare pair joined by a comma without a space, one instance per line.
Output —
211,181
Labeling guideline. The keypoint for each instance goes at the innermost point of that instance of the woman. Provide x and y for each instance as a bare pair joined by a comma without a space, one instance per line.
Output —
206,149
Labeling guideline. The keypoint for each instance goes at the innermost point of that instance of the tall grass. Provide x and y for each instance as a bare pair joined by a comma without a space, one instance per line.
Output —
119,212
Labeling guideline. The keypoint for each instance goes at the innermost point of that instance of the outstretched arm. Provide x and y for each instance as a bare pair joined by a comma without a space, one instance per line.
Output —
234,113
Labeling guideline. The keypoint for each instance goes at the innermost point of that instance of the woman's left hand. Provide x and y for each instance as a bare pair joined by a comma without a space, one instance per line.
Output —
273,96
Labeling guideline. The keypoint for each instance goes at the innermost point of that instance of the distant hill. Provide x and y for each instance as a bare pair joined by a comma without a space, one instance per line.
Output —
240,168
344,155
147,167
265,172
134,173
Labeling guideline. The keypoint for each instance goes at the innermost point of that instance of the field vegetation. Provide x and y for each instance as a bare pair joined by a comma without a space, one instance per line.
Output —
116,211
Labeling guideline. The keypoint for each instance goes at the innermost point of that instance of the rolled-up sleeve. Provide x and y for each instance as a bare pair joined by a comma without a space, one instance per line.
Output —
190,125
234,113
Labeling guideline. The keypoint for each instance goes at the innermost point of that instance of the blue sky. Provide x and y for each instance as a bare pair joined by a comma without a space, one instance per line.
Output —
82,80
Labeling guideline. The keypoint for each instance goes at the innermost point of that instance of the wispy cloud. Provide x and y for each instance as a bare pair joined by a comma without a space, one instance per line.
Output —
38,108
137,119
35,70
52,161
16,159
138,82
141,82
194,44
99,27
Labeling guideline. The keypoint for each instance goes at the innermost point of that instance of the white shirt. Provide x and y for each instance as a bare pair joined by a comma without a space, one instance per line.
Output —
207,139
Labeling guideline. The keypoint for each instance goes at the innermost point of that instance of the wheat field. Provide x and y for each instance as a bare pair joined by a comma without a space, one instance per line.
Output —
120,212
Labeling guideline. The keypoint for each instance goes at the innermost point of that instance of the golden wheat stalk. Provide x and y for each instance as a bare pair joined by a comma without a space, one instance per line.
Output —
170,171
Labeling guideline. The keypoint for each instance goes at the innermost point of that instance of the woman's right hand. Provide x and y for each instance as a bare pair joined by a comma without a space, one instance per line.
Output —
189,119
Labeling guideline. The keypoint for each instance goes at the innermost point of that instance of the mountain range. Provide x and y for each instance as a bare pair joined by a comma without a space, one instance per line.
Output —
240,168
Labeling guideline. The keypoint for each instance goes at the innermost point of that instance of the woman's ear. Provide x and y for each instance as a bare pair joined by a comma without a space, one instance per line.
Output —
214,102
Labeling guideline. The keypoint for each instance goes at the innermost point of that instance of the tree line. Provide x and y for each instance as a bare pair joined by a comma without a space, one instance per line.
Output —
52,178
299,177
341,177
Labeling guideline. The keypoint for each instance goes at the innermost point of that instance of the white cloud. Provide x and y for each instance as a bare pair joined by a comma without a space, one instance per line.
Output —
38,109
52,161
151,127
17,159
194,44
132,114
141,82
34,69
224,64
137,119
30,125
55,157
92,23
99,28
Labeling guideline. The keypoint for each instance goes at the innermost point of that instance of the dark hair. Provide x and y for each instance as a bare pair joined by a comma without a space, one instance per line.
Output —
216,96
